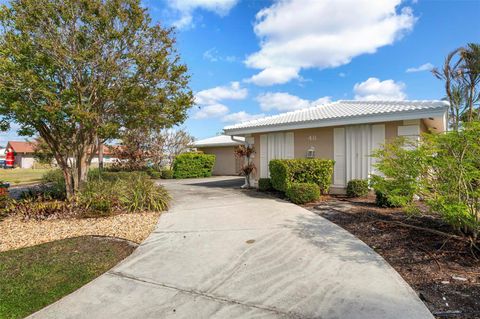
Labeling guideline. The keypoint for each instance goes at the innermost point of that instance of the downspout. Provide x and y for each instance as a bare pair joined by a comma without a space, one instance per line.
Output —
237,140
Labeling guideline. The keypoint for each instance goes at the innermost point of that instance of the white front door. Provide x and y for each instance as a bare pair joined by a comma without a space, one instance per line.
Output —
275,146
353,146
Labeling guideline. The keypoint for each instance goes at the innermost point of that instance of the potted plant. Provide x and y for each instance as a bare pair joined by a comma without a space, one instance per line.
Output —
4,188
246,152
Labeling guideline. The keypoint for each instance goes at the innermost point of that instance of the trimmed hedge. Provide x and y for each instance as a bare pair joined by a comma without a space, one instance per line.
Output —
264,184
191,165
283,172
357,188
301,193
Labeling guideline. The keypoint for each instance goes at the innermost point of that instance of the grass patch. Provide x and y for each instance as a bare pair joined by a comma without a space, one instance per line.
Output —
19,176
34,277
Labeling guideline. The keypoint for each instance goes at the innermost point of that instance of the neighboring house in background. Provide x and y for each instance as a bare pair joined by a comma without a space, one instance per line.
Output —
25,151
222,147
345,131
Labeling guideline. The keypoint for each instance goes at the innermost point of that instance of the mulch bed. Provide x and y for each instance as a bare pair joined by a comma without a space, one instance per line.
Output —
442,270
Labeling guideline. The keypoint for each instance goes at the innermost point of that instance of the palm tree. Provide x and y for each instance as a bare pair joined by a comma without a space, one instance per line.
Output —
461,73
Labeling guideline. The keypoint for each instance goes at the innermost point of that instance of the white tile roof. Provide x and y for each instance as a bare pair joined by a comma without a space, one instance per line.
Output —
217,141
340,110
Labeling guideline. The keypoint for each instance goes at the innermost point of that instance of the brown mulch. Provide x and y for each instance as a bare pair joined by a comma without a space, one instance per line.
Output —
441,269
15,233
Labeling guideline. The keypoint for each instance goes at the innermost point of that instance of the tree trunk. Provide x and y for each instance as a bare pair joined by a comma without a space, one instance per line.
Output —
80,168
67,175
100,155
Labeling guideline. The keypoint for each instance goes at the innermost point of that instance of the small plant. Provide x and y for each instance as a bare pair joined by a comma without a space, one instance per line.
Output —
166,173
55,188
264,184
301,193
153,173
245,152
357,188
4,188
39,209
382,200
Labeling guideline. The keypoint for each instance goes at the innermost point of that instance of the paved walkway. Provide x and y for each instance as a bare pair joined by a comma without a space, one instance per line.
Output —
227,253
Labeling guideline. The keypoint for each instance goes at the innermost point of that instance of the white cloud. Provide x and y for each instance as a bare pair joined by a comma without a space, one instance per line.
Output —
241,116
213,95
213,55
210,100
424,67
209,111
186,8
342,74
374,89
322,34
283,102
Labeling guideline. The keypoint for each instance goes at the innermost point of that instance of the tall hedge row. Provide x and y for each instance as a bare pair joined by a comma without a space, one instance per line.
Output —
283,172
191,165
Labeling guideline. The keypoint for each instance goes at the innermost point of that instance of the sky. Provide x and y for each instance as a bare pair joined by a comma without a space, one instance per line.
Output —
252,58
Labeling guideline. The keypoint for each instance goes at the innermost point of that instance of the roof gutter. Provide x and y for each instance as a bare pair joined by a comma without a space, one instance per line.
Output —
237,140
349,120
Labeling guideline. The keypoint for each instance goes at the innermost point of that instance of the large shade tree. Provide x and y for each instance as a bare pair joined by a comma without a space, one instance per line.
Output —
77,72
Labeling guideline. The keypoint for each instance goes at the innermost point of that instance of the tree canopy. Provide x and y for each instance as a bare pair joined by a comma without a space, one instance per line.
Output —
76,72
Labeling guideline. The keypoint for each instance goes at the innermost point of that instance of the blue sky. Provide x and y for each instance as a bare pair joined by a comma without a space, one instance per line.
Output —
253,58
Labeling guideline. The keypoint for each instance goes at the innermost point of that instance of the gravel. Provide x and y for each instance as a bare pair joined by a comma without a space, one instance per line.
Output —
18,234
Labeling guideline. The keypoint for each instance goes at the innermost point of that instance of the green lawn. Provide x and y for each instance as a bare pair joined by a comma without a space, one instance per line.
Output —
34,277
19,176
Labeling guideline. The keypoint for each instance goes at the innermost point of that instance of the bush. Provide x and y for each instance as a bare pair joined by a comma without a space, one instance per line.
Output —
402,163
115,192
166,173
191,165
383,200
301,193
104,194
287,171
153,173
357,188
56,188
264,184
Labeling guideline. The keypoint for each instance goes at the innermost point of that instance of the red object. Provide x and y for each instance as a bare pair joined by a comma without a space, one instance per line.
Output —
9,158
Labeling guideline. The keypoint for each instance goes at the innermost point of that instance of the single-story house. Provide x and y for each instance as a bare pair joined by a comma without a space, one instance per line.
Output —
24,154
345,131
222,147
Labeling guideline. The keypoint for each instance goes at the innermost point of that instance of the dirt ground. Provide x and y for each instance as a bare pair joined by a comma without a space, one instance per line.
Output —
441,269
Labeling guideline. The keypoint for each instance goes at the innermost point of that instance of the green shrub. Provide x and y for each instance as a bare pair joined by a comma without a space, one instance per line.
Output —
142,194
287,171
153,173
56,185
104,194
191,165
402,164
120,191
357,188
264,184
301,193
167,173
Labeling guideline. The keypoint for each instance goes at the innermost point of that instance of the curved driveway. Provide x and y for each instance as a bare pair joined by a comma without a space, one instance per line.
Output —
226,253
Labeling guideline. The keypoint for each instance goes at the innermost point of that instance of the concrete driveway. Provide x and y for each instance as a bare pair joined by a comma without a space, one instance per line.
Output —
222,252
